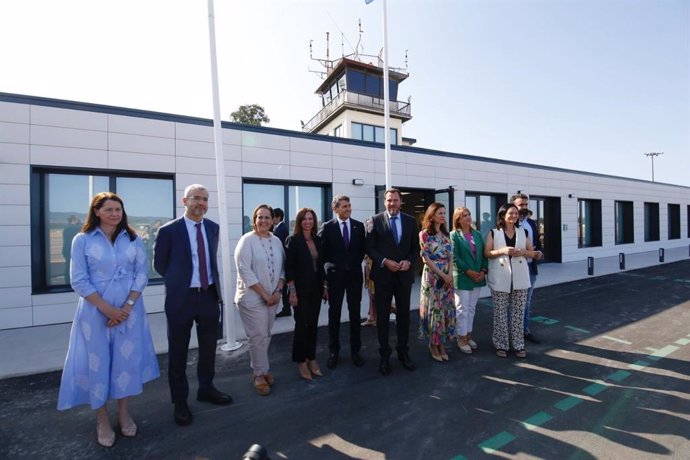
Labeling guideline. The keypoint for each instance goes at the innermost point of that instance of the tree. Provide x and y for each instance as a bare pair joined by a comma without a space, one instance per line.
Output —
252,114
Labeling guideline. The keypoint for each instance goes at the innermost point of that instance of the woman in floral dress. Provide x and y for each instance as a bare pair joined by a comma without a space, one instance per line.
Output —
111,352
436,305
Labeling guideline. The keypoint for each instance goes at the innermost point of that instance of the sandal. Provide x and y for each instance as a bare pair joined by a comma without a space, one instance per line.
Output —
105,439
269,379
435,354
521,353
260,385
501,353
129,430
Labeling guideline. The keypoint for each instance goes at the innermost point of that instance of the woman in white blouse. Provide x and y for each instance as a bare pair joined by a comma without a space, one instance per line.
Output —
259,258
507,247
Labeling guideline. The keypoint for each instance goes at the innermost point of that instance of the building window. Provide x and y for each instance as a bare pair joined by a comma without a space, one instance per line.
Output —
673,221
625,230
338,131
688,219
651,221
483,208
289,197
588,223
372,133
60,200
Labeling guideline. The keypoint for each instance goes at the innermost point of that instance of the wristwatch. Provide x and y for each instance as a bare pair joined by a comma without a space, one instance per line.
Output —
129,302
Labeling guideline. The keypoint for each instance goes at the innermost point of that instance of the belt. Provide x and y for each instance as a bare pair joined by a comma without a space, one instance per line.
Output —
200,289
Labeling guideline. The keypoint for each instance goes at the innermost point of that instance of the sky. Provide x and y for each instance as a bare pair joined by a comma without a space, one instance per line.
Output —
589,85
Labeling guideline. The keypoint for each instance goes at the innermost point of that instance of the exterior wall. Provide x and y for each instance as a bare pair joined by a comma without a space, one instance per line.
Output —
36,132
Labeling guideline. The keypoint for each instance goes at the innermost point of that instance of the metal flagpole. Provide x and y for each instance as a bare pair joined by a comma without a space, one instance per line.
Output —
386,102
231,342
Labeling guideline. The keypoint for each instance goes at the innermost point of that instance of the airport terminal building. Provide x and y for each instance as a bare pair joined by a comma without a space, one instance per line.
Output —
55,154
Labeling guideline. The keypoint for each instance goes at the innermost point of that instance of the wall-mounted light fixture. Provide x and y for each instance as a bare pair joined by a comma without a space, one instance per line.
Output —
357,181
570,195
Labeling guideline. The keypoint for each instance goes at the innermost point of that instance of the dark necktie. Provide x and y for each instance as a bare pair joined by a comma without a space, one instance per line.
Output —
201,250
346,234
394,229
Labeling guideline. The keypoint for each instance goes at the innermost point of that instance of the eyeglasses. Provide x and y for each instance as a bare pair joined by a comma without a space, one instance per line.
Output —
198,198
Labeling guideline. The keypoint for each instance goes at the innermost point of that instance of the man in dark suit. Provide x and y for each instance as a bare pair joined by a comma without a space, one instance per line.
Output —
521,200
280,231
343,243
185,254
393,244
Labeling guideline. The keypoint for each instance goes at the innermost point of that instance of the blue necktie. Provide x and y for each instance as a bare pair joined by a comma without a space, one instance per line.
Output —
394,229
201,251
346,234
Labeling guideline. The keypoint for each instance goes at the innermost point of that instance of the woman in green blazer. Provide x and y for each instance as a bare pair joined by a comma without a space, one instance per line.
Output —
469,274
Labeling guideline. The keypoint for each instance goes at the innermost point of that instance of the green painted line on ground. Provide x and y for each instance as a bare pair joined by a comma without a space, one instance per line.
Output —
495,443
459,457
567,403
681,280
637,365
577,329
619,376
682,341
607,337
658,278
595,388
536,420
663,352
544,320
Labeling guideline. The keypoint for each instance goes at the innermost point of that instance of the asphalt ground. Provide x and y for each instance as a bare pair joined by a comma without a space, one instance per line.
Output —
610,380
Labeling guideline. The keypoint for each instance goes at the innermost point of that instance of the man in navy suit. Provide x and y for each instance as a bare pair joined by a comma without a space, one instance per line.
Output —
343,243
393,246
185,254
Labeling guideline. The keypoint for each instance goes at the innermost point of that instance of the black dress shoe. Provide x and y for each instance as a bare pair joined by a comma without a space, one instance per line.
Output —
530,338
332,362
183,416
406,362
357,360
385,366
283,313
214,396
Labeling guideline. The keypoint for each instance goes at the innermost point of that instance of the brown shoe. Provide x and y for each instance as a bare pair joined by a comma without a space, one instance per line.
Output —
304,371
260,385
314,368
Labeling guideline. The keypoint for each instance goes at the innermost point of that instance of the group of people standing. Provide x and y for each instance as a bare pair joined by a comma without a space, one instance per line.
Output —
111,352
457,264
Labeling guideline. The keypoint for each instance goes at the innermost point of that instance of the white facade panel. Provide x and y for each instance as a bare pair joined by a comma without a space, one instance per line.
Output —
141,126
69,137
16,317
14,174
15,214
14,133
68,156
15,235
141,144
14,153
141,162
15,113
15,277
67,118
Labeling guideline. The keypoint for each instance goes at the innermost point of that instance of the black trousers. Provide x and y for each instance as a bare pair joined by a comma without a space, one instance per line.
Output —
306,315
201,307
352,287
384,294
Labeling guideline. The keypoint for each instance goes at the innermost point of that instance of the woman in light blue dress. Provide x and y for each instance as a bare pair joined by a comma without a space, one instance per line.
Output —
111,352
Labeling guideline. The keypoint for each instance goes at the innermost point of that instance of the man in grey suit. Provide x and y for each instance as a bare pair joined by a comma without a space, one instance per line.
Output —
393,246
185,254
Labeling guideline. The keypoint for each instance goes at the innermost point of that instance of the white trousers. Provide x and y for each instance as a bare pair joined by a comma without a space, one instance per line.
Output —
257,320
465,307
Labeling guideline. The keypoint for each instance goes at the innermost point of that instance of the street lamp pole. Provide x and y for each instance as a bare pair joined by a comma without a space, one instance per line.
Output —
652,155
